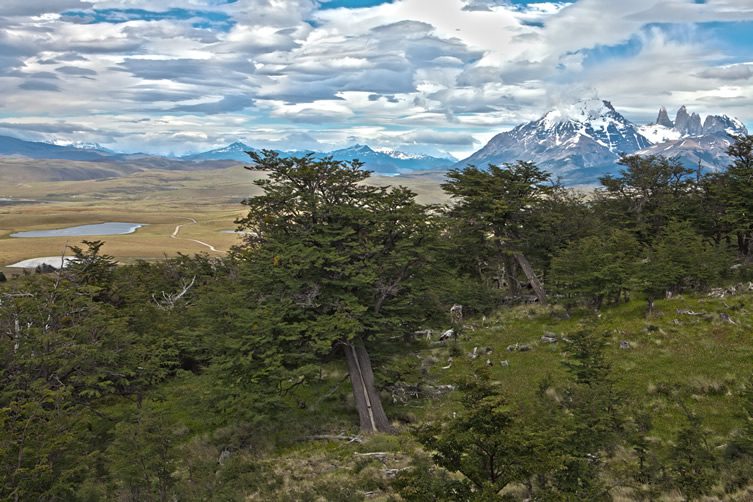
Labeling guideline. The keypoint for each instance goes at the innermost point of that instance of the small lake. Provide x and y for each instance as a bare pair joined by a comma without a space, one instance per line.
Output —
9,201
109,228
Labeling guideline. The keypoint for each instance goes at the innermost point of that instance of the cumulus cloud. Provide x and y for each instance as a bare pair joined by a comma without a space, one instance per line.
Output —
39,7
179,75
731,72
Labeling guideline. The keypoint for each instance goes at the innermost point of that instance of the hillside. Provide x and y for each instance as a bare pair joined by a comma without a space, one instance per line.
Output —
705,355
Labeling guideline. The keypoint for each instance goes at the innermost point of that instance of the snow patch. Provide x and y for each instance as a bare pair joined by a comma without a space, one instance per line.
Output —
656,133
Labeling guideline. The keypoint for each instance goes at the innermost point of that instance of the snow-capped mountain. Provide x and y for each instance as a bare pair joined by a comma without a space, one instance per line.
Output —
581,142
395,154
36,150
390,162
233,151
81,145
690,140
382,161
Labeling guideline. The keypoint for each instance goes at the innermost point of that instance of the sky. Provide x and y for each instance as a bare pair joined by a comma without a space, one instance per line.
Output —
428,76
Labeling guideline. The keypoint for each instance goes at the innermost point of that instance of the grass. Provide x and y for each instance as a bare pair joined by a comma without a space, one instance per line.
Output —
706,356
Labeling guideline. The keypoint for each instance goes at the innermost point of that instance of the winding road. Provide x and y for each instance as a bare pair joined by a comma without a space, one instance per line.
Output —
176,232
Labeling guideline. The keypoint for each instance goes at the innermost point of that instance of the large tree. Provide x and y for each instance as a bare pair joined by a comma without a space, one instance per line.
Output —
494,208
731,194
647,193
331,263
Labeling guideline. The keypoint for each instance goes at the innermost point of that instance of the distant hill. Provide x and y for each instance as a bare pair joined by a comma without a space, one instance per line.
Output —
381,161
10,146
581,142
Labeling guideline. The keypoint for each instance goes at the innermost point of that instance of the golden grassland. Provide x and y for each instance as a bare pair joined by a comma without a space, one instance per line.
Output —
161,199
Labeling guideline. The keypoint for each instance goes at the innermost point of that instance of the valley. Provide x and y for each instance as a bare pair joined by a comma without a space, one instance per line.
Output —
182,211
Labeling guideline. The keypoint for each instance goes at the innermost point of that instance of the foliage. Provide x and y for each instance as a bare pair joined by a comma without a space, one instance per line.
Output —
492,445
597,268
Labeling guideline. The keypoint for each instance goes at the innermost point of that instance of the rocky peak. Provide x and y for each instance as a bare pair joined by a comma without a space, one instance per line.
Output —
663,118
688,124
723,124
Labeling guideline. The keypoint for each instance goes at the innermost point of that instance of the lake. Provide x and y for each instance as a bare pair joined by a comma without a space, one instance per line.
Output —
109,228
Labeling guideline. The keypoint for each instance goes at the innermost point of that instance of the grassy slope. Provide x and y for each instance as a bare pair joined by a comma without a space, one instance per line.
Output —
711,357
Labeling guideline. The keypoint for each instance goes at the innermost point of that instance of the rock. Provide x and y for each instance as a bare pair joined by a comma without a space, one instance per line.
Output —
689,312
488,350
663,118
624,345
45,268
686,123
488,362
456,313
450,333
223,456
423,333
518,347
726,318
474,354
505,363
549,337
2,277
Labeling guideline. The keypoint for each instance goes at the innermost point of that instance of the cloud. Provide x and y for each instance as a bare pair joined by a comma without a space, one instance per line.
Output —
38,7
75,70
732,72
177,75
448,138
232,103
39,85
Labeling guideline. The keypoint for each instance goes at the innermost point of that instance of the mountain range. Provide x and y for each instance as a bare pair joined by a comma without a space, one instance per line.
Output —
581,142
381,161
578,143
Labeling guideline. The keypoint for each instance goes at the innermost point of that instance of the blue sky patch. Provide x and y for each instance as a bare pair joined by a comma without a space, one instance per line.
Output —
203,18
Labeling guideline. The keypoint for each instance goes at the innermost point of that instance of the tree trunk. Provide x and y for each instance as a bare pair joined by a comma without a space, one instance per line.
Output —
368,403
743,243
512,282
531,276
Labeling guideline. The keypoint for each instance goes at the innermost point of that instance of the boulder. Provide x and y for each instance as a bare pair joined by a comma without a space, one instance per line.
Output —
549,338
450,333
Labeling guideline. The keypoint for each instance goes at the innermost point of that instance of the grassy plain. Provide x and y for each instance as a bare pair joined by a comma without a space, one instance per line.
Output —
160,198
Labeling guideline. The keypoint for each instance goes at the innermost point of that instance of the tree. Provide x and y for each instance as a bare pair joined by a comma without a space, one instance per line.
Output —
60,352
594,404
596,268
494,207
693,466
141,457
647,194
493,445
679,260
734,189
331,263
90,267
